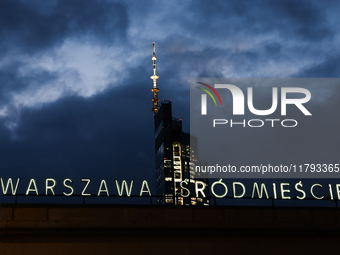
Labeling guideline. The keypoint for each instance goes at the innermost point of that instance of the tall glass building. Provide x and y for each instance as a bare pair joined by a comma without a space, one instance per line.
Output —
175,161
175,156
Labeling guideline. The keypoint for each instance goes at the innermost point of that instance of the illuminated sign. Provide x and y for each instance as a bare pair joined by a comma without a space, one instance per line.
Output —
123,189
218,189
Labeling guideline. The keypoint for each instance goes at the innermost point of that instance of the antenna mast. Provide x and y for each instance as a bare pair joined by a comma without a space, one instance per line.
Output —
154,77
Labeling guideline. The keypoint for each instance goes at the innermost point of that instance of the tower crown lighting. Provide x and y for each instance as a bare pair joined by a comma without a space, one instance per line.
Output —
154,77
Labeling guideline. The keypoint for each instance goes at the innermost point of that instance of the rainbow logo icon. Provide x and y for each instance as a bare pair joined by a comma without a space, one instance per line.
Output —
209,93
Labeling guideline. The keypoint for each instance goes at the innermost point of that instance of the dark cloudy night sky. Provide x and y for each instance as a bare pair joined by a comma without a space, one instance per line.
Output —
75,99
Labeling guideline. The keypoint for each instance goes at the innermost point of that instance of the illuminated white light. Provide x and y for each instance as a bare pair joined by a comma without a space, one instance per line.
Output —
330,191
274,191
29,189
221,183
338,190
103,183
177,165
69,187
146,185
312,192
201,189
300,190
124,186
259,193
48,187
184,188
9,183
243,189
283,191
86,185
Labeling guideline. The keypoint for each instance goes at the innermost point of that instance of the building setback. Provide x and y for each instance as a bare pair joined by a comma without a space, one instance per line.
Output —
175,161
176,155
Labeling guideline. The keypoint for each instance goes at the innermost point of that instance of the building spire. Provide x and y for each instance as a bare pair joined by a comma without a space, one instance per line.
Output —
154,77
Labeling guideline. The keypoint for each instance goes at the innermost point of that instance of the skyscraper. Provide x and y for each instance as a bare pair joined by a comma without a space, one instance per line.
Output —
175,156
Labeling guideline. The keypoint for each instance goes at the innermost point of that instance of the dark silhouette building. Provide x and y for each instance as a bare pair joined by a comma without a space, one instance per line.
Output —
175,161
176,154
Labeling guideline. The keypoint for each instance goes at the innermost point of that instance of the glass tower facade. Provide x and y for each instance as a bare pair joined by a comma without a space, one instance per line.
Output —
175,161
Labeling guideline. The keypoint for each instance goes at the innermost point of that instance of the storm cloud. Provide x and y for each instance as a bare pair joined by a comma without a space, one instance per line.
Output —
75,94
